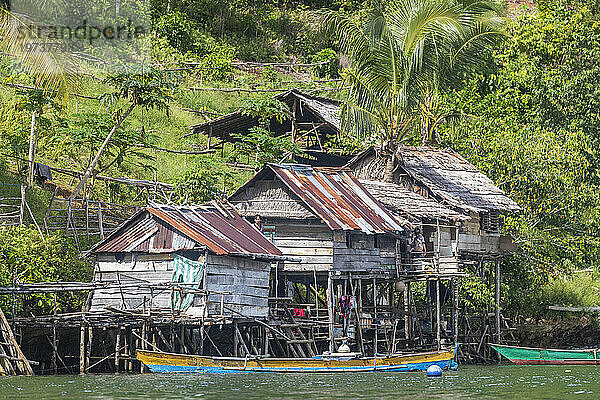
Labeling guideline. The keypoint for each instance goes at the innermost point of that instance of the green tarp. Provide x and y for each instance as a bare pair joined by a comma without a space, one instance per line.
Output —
189,274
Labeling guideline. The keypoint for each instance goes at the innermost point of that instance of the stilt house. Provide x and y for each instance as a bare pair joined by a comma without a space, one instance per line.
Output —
445,176
439,224
202,261
350,248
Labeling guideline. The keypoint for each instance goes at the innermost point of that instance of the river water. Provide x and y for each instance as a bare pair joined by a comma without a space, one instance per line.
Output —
469,382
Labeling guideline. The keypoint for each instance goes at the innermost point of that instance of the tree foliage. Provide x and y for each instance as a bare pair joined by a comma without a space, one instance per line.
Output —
534,130
26,257
403,55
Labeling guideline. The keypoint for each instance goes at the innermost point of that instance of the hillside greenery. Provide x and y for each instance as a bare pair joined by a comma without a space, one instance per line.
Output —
529,118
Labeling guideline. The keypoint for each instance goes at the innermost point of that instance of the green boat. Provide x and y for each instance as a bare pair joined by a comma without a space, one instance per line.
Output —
536,356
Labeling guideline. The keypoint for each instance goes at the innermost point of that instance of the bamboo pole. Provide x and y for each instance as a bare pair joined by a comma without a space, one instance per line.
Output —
82,332
31,157
498,326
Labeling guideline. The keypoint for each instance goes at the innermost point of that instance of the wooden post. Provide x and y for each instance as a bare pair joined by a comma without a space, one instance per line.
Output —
144,340
54,339
117,348
498,326
294,126
406,311
375,322
316,290
235,338
100,222
456,311
88,350
330,301
438,316
82,332
210,129
22,207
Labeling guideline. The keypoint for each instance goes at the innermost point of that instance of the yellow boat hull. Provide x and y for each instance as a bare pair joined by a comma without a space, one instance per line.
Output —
183,363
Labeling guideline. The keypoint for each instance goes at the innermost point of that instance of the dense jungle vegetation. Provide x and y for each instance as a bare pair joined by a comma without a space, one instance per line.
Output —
527,114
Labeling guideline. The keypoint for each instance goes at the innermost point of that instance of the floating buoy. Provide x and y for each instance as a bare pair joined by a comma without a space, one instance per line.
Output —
434,370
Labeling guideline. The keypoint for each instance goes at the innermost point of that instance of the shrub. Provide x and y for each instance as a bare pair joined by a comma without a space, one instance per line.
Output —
28,257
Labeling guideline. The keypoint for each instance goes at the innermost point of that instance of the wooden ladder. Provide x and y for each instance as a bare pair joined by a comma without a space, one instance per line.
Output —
12,360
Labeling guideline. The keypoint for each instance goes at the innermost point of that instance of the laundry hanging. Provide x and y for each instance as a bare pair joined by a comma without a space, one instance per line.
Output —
189,274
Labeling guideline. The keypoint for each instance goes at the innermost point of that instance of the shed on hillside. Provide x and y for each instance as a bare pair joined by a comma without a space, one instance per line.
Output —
313,122
187,259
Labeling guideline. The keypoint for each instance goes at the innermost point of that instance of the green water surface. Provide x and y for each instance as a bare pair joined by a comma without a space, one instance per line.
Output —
469,382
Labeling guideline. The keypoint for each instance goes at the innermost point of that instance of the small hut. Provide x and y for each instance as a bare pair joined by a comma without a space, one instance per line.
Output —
197,260
313,122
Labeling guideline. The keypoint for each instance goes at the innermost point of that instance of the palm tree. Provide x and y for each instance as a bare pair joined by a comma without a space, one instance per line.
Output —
53,72
402,55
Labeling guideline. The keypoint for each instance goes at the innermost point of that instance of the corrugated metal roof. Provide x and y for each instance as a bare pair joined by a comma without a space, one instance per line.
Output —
168,228
337,197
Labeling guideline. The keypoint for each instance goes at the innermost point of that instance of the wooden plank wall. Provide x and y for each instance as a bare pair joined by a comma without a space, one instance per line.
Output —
309,240
247,279
471,237
142,269
362,255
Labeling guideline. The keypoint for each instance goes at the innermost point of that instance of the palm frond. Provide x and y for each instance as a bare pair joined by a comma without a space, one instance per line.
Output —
53,71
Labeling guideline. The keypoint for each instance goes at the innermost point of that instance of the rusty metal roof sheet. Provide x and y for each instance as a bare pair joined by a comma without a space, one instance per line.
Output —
167,228
335,196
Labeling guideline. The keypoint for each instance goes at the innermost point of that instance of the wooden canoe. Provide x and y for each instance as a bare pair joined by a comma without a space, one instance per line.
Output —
540,356
183,363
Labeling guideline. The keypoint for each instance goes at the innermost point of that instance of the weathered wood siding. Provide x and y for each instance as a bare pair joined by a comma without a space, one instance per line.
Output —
247,280
357,252
133,270
311,241
471,237
270,198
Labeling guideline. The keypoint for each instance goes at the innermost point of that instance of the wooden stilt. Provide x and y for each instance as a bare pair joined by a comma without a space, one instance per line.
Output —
375,321
330,302
498,325
54,340
144,334
406,311
88,350
235,339
456,311
82,341
438,315
117,349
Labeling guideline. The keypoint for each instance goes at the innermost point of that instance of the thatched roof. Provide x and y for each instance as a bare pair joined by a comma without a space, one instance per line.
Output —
310,112
409,204
445,173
